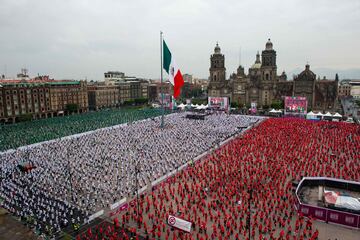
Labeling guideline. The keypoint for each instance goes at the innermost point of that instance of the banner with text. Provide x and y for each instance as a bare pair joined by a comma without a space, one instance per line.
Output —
295,105
218,103
179,223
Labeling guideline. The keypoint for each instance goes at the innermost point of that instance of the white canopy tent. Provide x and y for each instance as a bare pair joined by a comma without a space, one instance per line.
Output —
311,115
337,115
328,114
182,106
272,111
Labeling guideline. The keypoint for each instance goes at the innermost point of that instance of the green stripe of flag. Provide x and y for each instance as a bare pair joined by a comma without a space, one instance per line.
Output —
167,57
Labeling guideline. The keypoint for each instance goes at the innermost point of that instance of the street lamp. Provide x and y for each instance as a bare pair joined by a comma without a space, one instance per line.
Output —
137,190
70,176
249,215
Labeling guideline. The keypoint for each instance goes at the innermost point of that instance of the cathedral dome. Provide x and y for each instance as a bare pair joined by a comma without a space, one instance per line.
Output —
217,49
257,63
269,45
307,74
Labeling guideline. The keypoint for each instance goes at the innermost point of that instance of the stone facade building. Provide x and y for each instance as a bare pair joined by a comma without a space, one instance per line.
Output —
344,89
262,85
40,97
102,96
218,85
20,98
63,93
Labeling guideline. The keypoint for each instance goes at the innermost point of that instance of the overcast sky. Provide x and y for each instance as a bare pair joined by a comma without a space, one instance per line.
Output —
75,39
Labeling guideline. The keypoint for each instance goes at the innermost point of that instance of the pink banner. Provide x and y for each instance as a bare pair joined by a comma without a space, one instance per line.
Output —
121,208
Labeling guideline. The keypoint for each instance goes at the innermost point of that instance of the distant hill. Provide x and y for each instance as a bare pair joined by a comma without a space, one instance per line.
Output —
352,73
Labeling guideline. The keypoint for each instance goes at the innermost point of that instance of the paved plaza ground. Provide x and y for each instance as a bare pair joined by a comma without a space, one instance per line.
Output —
12,229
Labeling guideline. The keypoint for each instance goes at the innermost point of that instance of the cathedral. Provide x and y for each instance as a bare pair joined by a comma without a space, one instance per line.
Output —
263,86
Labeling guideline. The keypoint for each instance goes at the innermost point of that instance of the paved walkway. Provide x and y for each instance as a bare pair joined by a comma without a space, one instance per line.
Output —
335,232
12,229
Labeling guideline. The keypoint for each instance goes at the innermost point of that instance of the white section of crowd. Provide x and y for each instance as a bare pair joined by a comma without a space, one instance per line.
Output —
92,170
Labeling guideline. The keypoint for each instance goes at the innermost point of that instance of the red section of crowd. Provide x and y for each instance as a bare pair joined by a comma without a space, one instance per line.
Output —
108,231
214,194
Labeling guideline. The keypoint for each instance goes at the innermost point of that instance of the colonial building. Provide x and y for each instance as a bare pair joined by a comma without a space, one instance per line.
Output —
23,97
355,89
102,96
188,78
263,86
344,89
40,97
111,77
63,93
218,85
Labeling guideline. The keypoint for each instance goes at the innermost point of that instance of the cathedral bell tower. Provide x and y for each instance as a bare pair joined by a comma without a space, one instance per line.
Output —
217,65
268,65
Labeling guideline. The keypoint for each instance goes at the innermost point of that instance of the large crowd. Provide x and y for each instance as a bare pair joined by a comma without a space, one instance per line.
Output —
74,177
26,133
254,172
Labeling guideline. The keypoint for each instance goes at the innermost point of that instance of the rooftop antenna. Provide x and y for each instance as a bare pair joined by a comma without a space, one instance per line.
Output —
240,56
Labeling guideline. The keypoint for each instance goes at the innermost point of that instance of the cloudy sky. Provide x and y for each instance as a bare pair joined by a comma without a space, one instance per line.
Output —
75,39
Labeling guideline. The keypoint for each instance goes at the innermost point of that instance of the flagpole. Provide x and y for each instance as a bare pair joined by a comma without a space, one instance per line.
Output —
161,79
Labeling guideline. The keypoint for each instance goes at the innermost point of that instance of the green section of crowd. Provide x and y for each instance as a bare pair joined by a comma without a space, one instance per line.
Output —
25,133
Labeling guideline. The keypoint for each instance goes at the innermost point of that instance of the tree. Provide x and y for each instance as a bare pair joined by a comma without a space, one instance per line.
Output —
357,101
141,101
72,107
265,106
234,105
25,117
277,104
129,102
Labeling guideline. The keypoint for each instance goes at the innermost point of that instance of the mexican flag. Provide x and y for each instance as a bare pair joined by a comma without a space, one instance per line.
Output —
171,68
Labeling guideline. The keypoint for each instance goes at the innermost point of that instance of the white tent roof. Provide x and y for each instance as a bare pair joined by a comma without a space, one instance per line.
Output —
273,111
181,105
311,113
337,115
319,114
328,114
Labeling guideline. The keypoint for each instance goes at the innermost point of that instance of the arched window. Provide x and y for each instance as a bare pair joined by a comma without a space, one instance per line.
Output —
214,77
267,76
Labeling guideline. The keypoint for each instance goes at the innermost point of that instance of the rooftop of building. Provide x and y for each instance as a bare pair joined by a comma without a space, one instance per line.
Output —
37,82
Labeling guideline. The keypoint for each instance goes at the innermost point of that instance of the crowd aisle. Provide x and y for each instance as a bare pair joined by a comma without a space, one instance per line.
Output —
214,194
77,176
